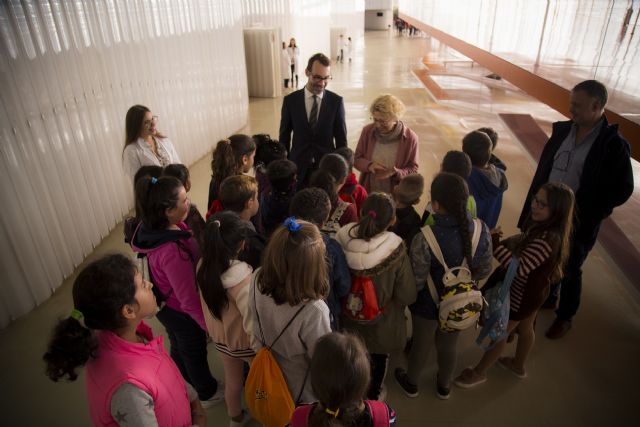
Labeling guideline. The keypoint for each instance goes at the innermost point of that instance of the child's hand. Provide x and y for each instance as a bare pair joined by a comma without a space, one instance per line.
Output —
497,231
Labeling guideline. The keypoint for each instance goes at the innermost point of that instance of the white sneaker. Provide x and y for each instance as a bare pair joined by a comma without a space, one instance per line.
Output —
217,397
245,419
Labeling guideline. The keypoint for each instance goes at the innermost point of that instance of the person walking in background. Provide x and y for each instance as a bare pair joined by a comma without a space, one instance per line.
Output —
340,46
285,65
294,56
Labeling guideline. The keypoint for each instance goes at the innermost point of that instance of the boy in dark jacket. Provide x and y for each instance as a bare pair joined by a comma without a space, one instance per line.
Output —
493,160
487,183
274,210
239,194
313,205
407,194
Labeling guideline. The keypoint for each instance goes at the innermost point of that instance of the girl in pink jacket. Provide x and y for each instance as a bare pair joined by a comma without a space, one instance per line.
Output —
130,378
173,254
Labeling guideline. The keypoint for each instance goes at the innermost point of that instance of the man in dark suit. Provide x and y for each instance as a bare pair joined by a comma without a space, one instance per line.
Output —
590,156
316,117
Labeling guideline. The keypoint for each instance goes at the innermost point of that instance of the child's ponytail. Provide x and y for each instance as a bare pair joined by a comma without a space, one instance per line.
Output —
99,293
376,216
223,236
451,192
153,197
227,156
70,347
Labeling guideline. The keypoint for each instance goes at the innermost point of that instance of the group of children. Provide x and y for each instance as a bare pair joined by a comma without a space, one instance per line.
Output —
306,272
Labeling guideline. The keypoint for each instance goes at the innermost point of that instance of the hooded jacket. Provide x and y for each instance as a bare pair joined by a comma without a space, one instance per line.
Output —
227,333
487,186
173,256
353,192
384,259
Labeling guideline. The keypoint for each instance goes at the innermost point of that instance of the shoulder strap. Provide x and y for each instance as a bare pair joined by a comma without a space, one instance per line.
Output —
287,326
379,413
433,245
255,306
475,239
435,248
300,417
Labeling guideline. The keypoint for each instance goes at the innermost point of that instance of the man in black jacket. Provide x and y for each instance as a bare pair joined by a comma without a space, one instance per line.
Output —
316,118
590,156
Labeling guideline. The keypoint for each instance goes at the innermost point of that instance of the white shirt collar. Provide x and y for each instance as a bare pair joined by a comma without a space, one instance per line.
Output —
308,94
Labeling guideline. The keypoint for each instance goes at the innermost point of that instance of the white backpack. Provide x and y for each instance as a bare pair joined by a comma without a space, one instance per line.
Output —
461,302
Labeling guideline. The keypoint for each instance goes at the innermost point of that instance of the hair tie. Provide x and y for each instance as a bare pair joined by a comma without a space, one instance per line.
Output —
76,314
334,413
154,180
372,214
216,222
227,141
292,225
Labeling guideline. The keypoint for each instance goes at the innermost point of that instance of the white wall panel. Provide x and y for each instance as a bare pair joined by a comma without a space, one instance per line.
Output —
378,4
262,56
308,21
69,70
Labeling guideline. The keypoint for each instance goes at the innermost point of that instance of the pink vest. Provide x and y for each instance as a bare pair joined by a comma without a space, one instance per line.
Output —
147,367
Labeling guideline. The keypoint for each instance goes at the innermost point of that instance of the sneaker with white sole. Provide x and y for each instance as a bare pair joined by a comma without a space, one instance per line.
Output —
442,392
217,397
245,419
411,390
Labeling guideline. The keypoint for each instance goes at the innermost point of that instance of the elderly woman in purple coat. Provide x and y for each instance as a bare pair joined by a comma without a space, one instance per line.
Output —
387,149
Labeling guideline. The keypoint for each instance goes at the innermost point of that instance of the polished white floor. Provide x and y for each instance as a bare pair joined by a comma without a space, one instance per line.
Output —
588,378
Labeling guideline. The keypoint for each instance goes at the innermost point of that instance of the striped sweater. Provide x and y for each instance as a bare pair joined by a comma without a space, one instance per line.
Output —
535,254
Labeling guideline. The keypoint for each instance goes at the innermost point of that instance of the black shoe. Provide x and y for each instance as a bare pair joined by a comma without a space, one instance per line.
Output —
408,345
442,392
411,390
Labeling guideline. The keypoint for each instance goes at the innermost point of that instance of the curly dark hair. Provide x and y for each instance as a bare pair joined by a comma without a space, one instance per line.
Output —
99,292
311,204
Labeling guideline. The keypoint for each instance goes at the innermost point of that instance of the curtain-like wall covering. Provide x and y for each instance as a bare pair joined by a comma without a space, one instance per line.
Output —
69,70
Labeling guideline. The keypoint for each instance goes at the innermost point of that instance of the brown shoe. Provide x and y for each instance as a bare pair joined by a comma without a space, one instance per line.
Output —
558,329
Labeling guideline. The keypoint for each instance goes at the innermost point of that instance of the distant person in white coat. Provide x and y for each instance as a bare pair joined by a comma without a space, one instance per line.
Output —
144,145
349,48
340,45
294,54
285,65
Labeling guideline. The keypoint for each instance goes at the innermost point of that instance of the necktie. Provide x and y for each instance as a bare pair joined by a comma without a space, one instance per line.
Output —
313,116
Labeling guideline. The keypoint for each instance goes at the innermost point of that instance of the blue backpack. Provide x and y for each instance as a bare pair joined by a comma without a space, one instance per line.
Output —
495,314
